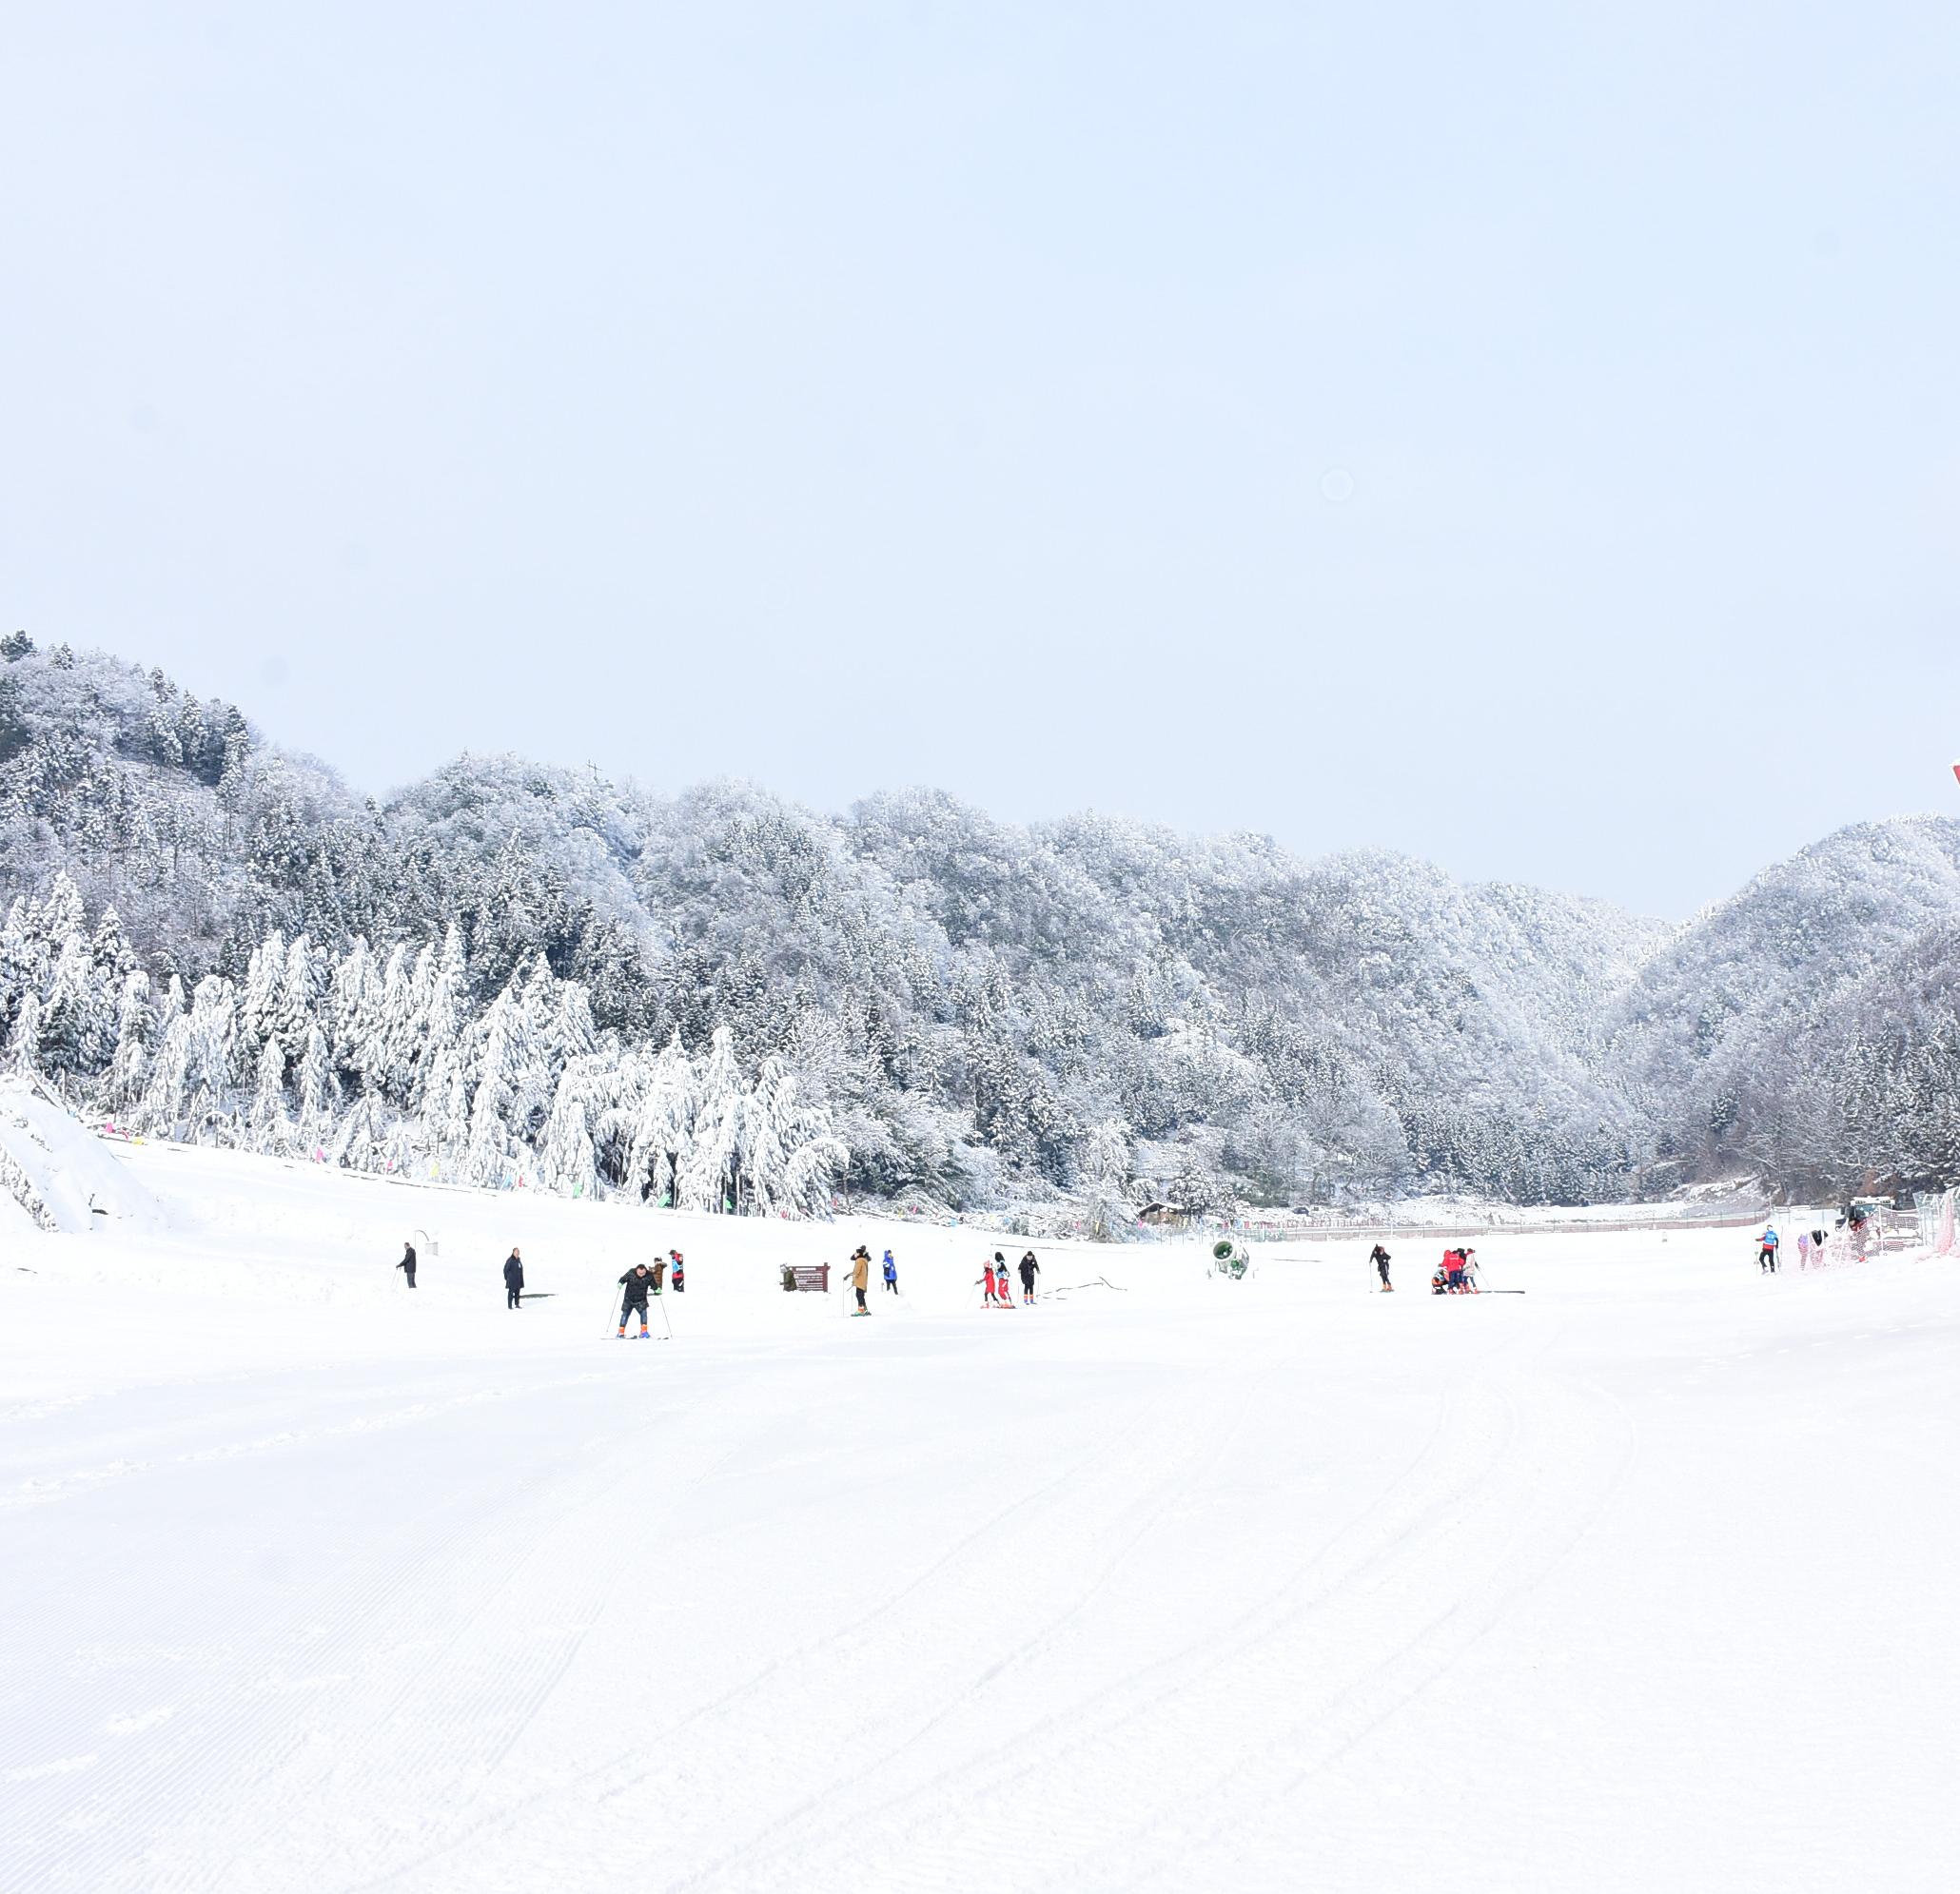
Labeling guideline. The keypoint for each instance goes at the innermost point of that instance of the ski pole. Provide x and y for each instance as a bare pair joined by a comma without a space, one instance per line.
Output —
615,1306
667,1319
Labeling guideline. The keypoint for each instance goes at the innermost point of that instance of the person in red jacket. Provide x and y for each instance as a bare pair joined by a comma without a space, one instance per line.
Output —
1453,1262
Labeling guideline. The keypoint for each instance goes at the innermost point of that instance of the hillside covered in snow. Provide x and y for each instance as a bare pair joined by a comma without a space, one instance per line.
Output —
512,969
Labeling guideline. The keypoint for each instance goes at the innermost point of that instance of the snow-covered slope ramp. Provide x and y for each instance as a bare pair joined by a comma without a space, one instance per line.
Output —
61,1174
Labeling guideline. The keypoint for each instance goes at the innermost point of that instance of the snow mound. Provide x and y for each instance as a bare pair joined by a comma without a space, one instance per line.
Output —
60,1174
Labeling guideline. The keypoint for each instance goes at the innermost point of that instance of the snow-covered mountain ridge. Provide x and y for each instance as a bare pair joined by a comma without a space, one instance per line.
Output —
984,1011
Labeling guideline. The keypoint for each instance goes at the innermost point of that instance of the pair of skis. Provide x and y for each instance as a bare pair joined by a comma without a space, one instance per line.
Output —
645,1334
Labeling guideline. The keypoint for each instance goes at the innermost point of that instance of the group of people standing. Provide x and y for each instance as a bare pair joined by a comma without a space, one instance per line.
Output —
999,1283
997,1279
860,1276
1457,1276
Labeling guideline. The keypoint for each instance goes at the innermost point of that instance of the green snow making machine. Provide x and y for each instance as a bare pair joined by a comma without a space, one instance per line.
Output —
1231,1259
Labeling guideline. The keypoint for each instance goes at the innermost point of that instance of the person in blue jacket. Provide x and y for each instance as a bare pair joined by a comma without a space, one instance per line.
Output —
890,1274
1766,1254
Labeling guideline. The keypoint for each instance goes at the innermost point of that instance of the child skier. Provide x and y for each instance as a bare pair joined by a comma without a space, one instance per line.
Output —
996,1279
1378,1257
680,1277
891,1274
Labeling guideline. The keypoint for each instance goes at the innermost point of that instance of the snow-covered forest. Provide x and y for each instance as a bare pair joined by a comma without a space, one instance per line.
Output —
725,1001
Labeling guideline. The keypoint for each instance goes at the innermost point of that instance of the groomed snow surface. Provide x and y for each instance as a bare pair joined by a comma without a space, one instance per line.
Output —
1647,1578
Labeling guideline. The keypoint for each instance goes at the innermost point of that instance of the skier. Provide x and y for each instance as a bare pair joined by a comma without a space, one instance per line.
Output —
1766,1253
891,1274
998,1265
1029,1269
1803,1249
1818,1246
512,1279
861,1277
679,1278
1469,1286
407,1263
1378,1257
1453,1270
636,1283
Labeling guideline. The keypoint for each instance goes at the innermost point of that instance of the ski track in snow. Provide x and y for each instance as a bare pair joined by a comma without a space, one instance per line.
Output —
1625,1584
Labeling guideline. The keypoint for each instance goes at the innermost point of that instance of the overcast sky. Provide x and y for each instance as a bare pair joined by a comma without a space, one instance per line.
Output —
1524,439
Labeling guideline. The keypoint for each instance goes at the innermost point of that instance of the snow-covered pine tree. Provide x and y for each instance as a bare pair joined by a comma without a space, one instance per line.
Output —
351,993
24,1048
1105,1172
663,1127
258,1005
300,996
505,1102
213,1054
111,948
445,1113
318,1092
74,1018
269,1124
709,1178
361,1144
409,1049
565,1159
791,1154
129,1070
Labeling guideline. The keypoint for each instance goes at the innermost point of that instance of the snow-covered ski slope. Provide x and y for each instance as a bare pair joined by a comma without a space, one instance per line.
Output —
1642,1580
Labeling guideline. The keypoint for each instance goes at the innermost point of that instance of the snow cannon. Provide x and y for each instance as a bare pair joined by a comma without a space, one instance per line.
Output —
1231,1259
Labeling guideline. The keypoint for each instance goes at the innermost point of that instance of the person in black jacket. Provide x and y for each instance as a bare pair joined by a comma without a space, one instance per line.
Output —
407,1263
1030,1268
1378,1257
513,1281
636,1285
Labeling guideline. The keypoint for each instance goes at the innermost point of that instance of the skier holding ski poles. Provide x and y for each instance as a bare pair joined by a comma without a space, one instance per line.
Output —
636,1284
407,1263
